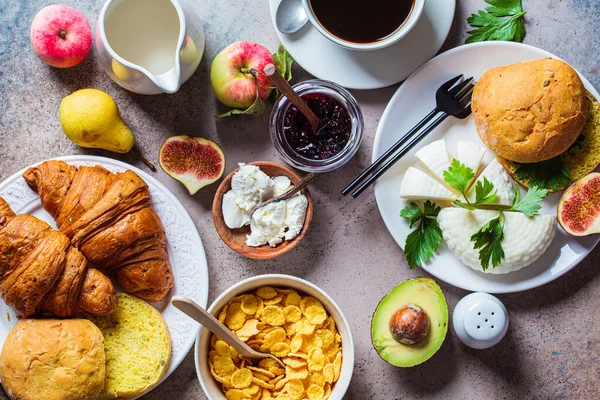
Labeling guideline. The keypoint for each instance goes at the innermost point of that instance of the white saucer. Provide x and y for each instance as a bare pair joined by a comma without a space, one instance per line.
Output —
370,69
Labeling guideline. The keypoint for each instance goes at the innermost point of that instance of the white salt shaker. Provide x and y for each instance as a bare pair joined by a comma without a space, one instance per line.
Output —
480,320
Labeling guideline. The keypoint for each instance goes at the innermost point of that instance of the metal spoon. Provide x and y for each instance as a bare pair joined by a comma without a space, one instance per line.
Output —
194,311
290,16
307,180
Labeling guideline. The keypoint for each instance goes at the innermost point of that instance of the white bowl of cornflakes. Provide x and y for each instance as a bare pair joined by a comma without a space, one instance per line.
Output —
290,318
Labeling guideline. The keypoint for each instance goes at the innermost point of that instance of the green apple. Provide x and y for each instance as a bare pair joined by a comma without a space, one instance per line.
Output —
233,85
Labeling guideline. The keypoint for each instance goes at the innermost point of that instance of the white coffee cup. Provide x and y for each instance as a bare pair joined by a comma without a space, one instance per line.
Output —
402,31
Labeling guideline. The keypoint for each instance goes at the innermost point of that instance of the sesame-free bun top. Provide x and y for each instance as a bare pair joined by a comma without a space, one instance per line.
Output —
530,111
581,159
53,359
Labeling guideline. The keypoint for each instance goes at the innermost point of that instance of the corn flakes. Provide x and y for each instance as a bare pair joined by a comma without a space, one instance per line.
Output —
266,292
235,317
315,392
273,315
241,378
293,327
249,304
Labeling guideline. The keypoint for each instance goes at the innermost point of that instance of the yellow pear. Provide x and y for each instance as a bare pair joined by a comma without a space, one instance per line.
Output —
90,118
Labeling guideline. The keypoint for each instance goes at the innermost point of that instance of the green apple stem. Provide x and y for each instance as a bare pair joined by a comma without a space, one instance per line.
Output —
250,71
254,72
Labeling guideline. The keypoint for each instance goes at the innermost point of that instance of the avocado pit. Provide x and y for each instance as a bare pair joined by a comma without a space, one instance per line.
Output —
409,324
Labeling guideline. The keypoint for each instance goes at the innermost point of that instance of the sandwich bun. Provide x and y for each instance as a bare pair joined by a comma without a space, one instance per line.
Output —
582,159
531,111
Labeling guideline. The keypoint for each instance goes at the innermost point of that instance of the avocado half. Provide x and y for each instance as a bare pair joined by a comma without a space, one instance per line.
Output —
425,293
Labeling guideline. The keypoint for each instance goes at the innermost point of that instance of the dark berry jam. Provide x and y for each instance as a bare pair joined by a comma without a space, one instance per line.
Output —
332,136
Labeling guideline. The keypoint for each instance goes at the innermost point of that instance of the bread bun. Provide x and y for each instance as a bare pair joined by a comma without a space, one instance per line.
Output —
137,347
530,111
579,161
53,359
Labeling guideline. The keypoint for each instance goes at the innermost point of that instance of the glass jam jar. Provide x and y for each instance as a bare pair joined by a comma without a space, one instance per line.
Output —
336,141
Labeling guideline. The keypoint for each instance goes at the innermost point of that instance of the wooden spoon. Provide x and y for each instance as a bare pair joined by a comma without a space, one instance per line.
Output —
284,87
194,311
307,180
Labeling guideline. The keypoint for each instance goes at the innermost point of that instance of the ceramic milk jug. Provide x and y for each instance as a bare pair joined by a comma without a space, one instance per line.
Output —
149,46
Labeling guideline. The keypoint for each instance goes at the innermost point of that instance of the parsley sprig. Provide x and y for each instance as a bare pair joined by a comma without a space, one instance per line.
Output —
458,175
488,240
425,240
528,205
549,174
502,21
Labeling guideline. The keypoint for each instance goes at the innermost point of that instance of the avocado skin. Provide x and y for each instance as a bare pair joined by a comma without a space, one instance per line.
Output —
425,293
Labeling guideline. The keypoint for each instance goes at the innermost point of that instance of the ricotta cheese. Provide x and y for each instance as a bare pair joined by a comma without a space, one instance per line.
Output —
271,224
267,225
281,184
234,216
525,238
251,186
294,217
417,185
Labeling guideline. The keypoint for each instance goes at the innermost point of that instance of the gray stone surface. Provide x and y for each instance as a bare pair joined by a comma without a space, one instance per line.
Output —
553,344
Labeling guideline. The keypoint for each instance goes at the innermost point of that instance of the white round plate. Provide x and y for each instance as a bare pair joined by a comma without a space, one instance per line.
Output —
186,253
413,100
370,69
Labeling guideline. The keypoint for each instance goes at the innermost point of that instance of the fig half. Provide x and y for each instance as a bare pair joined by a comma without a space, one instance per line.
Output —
195,162
579,207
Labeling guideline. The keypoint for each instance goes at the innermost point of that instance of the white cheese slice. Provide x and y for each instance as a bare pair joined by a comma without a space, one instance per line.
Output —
470,154
417,185
434,157
525,238
503,184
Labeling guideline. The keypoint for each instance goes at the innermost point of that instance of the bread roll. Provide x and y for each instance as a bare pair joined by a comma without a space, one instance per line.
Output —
530,111
53,359
579,161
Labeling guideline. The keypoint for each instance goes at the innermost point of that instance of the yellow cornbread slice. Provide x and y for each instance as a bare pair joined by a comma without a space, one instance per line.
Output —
137,348
582,163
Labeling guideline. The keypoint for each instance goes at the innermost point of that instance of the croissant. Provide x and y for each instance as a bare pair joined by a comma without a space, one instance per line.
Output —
41,272
109,217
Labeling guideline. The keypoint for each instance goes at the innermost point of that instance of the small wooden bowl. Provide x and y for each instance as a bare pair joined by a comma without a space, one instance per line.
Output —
236,238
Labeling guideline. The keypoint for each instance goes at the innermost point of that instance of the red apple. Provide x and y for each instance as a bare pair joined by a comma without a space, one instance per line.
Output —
231,82
60,36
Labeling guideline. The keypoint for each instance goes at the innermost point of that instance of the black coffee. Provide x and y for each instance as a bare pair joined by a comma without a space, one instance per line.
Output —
362,21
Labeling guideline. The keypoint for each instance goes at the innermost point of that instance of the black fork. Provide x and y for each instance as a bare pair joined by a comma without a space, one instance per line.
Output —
452,99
